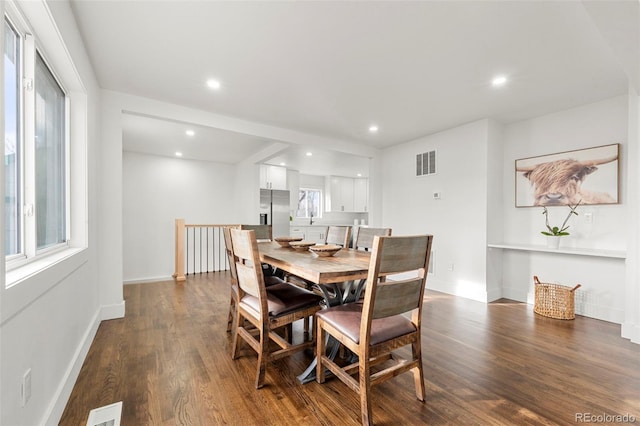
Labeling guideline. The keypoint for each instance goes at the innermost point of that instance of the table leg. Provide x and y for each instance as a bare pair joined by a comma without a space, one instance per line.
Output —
309,375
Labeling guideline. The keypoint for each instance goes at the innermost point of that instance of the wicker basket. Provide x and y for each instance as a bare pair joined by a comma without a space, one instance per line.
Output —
554,300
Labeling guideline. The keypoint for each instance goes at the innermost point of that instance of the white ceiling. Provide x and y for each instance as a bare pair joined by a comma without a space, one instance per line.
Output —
333,68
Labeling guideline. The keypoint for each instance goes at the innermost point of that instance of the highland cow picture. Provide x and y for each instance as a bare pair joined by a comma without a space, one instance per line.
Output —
588,176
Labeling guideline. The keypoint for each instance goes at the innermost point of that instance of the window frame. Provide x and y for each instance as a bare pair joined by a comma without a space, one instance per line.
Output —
31,49
320,204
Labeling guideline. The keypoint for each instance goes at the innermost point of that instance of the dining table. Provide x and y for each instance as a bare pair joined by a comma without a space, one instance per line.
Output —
340,277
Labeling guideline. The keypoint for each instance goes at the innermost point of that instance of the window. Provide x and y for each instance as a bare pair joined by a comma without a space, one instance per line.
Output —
12,159
309,203
36,170
49,158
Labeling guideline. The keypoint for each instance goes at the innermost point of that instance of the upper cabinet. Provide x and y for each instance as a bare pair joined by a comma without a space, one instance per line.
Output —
273,177
344,194
361,194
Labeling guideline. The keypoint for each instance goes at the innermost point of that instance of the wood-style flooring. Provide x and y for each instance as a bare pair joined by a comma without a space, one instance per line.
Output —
485,364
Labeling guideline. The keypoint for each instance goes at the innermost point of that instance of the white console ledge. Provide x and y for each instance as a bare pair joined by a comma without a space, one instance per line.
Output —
617,254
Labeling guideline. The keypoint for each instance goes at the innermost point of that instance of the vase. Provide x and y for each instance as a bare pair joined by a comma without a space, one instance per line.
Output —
553,241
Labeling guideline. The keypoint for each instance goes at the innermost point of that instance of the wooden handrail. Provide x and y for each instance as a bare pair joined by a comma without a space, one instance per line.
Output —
180,251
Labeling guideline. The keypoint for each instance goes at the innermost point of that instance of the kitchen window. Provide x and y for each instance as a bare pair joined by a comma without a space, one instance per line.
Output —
36,151
309,203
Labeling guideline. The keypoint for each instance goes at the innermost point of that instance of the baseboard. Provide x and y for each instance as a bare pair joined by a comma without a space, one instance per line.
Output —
54,412
631,332
148,280
112,311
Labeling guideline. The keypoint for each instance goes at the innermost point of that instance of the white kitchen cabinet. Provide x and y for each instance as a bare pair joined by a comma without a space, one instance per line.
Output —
273,177
346,194
361,195
317,234
298,231
340,194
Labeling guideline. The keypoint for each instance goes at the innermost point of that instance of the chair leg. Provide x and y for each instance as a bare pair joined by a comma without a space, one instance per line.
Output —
234,341
263,356
232,305
365,391
418,373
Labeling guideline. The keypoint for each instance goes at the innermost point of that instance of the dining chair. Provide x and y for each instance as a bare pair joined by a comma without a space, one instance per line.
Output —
372,330
279,307
231,259
340,235
233,302
263,232
364,237
363,241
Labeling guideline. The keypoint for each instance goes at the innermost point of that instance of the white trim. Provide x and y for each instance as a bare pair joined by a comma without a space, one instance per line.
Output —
59,401
115,311
148,280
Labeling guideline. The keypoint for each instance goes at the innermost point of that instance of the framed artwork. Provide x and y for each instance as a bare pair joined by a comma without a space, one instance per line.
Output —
588,176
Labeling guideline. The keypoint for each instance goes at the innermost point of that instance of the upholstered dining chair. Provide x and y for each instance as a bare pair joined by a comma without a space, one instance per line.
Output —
375,328
364,237
340,235
263,232
231,259
266,310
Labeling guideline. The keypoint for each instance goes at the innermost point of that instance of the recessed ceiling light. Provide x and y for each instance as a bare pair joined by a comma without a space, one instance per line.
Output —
309,154
283,164
213,84
373,129
190,132
499,81
178,154
359,175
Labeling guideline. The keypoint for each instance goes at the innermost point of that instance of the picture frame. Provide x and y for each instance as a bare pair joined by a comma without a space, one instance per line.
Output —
589,176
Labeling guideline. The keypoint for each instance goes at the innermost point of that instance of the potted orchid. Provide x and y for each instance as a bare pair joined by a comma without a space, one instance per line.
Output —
554,233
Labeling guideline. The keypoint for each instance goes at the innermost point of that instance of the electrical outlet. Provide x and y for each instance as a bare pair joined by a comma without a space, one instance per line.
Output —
588,218
26,387
451,267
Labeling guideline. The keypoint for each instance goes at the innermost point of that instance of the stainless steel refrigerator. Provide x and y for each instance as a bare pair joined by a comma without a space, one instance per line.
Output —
274,211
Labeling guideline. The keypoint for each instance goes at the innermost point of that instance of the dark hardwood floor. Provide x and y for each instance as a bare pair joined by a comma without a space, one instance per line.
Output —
485,364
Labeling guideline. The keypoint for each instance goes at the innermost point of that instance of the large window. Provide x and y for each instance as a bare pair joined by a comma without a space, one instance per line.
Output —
11,140
309,203
49,158
36,167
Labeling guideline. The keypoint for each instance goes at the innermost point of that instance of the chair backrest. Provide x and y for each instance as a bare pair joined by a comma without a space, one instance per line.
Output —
384,298
263,232
228,247
340,235
364,237
250,277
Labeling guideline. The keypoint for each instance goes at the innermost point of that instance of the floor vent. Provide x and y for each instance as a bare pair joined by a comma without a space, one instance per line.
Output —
426,163
109,415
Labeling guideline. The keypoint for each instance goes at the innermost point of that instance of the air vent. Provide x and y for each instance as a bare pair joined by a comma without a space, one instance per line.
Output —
426,163
109,415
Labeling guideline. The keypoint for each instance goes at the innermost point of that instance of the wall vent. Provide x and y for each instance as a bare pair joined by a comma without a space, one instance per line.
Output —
426,163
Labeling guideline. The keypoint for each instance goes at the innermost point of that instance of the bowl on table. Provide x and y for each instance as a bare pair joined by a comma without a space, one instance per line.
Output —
325,250
302,245
286,241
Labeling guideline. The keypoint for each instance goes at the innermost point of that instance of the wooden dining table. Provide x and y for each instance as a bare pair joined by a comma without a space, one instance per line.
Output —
340,278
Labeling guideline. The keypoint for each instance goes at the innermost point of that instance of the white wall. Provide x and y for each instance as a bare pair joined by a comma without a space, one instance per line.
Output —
51,333
458,221
158,190
603,280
